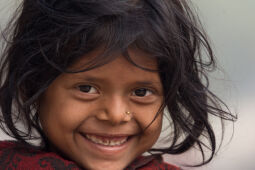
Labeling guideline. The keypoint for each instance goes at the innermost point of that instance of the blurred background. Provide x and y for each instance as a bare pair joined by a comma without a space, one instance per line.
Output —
230,25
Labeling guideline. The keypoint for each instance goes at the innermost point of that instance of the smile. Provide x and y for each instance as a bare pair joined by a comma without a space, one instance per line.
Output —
105,145
107,140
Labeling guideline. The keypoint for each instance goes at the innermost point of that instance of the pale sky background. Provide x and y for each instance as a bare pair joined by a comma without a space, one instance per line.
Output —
230,25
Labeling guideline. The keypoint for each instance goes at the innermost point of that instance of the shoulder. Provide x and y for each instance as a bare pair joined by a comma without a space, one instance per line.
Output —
15,155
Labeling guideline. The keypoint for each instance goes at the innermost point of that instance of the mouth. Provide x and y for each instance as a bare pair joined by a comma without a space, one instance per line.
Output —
107,140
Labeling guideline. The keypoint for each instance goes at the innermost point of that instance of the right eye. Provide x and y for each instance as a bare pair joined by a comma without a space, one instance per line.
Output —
87,89
142,92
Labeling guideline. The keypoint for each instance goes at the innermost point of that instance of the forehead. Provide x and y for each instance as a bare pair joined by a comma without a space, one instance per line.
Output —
97,59
118,71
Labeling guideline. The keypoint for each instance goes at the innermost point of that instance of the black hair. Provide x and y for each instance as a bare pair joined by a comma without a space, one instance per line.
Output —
45,37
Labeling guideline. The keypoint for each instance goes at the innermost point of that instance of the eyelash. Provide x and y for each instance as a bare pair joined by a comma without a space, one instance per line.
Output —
95,91
144,89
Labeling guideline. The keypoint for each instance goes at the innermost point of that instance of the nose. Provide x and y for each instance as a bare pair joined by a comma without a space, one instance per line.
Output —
114,110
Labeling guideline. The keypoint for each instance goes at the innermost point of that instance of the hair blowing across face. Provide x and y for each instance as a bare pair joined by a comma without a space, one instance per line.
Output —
47,36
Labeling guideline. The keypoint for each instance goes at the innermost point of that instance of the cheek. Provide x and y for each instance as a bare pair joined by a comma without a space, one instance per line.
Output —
149,122
146,114
60,113
151,133
155,125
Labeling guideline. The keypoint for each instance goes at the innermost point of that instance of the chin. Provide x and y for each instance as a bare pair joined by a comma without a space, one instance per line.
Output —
103,165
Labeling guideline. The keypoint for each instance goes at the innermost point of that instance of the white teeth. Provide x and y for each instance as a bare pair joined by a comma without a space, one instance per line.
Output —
106,142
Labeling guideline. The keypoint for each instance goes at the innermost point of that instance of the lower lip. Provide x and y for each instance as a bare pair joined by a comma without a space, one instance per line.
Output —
108,150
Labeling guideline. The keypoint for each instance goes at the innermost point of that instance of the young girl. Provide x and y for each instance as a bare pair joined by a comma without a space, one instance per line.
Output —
93,80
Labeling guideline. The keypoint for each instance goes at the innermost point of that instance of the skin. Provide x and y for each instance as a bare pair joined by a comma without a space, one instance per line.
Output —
94,102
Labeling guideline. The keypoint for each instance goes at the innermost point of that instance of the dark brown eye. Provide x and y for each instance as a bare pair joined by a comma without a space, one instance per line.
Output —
142,92
87,89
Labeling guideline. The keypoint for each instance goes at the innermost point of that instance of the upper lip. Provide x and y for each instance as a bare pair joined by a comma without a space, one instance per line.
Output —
106,135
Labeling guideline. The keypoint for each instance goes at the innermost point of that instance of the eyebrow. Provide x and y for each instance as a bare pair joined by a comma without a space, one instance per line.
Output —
90,78
140,82
147,82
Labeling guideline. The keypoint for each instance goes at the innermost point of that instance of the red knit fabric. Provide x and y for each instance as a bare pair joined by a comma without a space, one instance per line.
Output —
14,155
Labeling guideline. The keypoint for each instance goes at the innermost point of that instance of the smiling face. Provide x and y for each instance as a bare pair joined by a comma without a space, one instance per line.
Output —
85,115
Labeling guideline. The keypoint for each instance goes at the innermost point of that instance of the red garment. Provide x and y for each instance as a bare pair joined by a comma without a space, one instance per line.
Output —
14,155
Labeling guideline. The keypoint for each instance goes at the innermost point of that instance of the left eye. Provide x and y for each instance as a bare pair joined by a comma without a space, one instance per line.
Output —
87,89
142,92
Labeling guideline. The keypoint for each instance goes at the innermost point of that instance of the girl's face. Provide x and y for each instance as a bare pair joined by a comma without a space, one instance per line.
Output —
85,117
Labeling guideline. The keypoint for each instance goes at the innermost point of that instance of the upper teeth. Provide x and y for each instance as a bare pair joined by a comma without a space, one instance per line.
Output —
105,141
